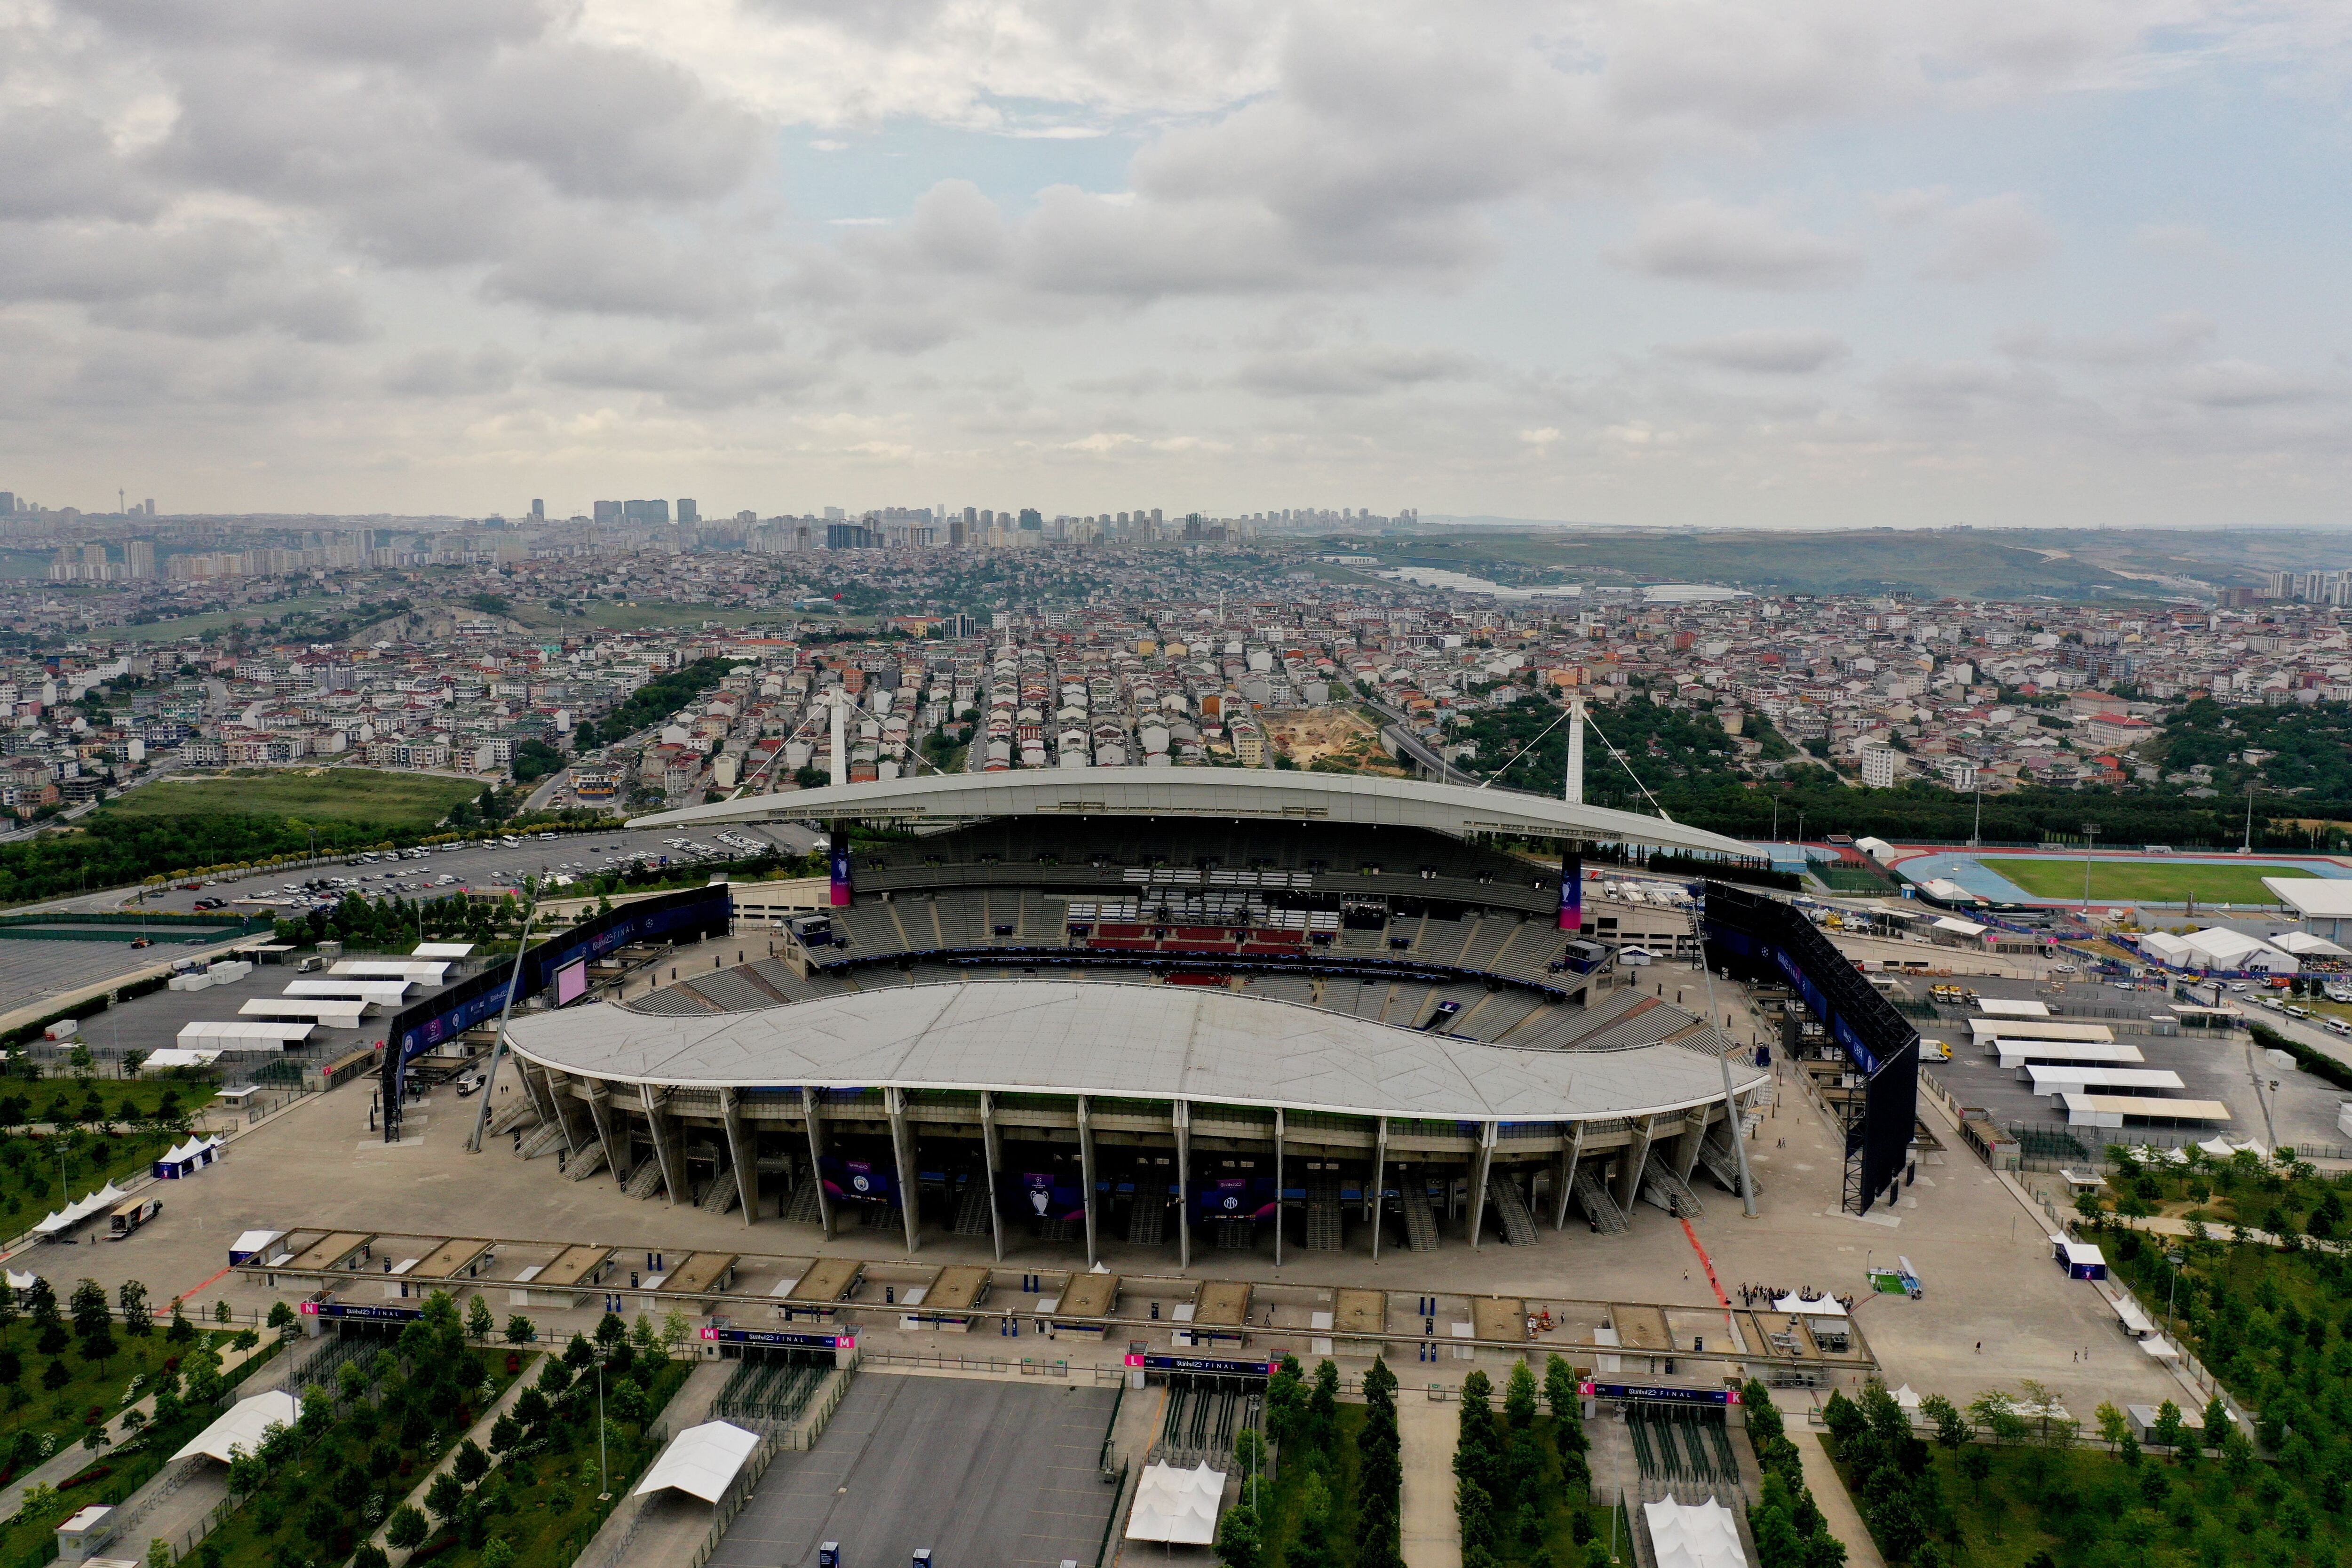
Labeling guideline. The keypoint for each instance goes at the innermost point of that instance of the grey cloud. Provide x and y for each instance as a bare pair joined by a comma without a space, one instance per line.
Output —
2236,383
449,373
1973,240
412,32
597,123
212,280
620,271
1357,371
1734,247
1765,351
2172,339
688,379
57,161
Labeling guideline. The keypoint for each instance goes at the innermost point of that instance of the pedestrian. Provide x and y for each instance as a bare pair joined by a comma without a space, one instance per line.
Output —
1980,1347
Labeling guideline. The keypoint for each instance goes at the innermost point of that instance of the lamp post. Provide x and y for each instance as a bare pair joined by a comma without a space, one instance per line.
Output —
603,1475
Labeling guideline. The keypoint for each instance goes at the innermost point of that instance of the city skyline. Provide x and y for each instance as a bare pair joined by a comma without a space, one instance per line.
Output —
1625,265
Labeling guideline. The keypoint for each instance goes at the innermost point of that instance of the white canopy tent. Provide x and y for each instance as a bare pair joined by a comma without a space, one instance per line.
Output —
80,1209
1797,1306
241,1428
387,992
175,1056
334,1013
429,973
441,950
1694,1535
2005,1007
1179,1507
2303,944
253,1031
701,1461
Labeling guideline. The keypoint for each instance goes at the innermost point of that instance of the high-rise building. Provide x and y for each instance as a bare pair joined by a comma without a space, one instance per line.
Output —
139,556
1032,520
538,510
7,503
686,510
645,512
608,511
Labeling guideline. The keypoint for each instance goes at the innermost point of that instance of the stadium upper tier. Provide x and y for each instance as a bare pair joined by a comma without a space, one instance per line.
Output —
1232,794
1055,1036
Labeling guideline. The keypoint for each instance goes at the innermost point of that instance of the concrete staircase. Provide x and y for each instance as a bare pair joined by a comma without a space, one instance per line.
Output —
1594,1197
1510,1212
1420,1224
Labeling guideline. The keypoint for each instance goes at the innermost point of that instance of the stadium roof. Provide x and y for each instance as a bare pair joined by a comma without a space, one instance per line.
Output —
1144,1041
1230,793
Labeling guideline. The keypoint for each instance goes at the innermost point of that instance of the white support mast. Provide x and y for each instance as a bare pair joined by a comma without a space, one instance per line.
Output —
1575,792
840,736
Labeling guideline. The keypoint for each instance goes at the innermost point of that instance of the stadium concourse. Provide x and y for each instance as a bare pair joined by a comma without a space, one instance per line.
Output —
1197,1008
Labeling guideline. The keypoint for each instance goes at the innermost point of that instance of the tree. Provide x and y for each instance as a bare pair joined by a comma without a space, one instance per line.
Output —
407,1529
89,1309
222,1313
2167,1428
1239,1542
369,1556
2113,1428
521,1329
1951,1426
629,1402
471,1464
443,1497
505,1433
498,1554
676,1327
579,1354
182,1331
611,1331
1560,1391
480,1322
1519,1397
281,1318
137,1320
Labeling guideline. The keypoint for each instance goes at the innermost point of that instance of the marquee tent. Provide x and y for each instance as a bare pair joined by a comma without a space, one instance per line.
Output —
241,1428
1176,1506
1693,1535
701,1460
74,1213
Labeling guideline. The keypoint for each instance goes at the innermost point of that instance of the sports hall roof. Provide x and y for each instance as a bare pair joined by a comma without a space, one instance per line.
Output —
1230,793
1142,1041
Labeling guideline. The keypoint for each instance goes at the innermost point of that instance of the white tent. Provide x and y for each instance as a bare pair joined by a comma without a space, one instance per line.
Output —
1797,1306
250,1030
2221,948
2303,944
441,950
389,969
701,1460
175,1056
1694,1535
80,1209
2004,1007
241,1428
1906,1397
1176,1506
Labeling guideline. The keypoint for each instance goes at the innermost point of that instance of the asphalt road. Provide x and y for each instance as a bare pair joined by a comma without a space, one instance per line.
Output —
981,1472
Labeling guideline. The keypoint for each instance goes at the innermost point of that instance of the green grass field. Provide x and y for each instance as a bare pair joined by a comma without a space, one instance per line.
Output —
635,616
323,794
2158,880
221,620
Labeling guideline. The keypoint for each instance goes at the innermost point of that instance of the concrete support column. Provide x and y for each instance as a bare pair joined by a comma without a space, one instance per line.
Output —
1693,1136
1637,1161
1379,1184
1480,1169
1568,1158
600,1112
1087,1173
816,1125
556,1098
666,1149
902,1144
534,1088
1278,1132
1185,1183
744,1153
992,1143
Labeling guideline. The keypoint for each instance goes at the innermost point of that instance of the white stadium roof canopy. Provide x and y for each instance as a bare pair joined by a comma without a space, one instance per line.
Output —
1109,1037
1211,794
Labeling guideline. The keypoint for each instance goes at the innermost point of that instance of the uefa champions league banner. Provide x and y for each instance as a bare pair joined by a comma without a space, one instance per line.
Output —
1044,1195
858,1181
1237,1198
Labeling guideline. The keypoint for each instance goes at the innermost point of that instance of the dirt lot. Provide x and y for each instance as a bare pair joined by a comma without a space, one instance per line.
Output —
1308,735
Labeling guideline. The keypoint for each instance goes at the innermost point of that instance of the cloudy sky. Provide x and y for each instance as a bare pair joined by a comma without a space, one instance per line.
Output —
1713,262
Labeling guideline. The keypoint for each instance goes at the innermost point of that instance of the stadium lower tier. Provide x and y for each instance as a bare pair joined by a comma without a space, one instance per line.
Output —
1090,1109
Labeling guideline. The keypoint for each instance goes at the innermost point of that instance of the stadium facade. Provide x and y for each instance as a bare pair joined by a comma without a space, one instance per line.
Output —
1188,1008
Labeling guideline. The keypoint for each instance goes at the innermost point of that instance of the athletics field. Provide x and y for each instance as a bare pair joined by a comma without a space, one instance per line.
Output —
2153,880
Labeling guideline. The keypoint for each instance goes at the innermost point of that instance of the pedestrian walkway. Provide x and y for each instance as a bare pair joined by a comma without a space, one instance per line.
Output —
1430,1536
1835,1504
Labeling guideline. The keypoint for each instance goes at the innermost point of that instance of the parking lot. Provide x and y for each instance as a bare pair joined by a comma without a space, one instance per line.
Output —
2267,1101
979,1472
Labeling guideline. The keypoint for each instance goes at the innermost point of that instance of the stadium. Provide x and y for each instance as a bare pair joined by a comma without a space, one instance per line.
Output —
1191,1009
